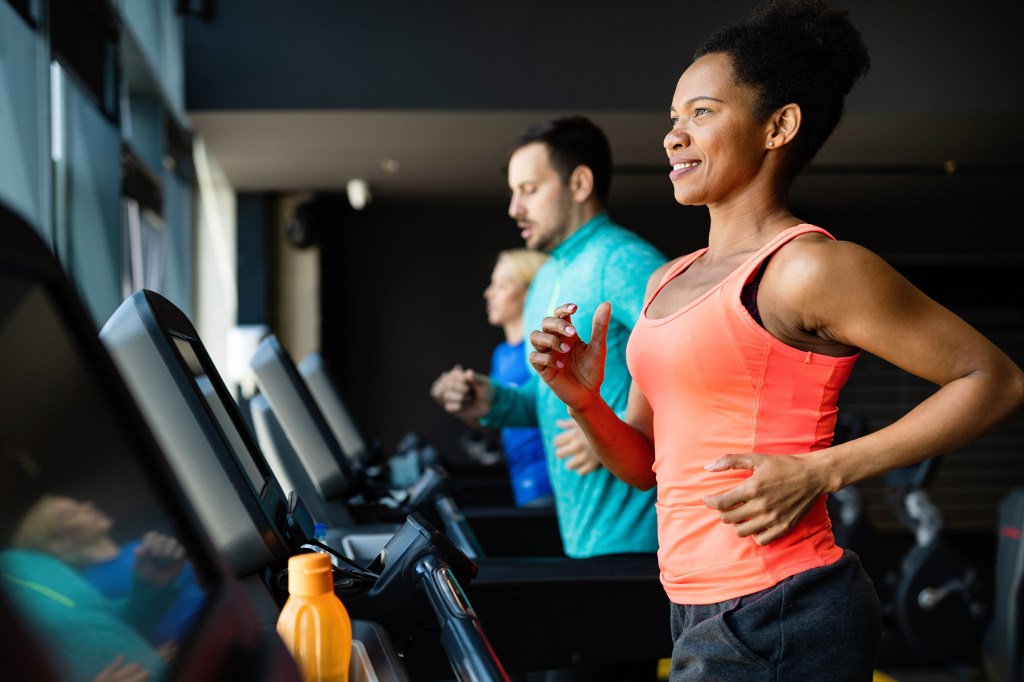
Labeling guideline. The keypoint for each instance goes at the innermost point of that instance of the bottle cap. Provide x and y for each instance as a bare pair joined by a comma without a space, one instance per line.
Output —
310,574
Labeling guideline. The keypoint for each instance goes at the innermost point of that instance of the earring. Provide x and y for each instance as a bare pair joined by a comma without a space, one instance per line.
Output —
771,144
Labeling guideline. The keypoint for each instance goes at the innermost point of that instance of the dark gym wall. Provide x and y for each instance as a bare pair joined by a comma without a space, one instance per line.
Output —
937,55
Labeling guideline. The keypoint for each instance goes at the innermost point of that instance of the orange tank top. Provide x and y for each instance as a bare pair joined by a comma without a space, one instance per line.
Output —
719,383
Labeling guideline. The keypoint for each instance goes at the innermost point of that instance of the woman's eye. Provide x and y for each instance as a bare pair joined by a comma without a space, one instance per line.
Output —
700,111
674,119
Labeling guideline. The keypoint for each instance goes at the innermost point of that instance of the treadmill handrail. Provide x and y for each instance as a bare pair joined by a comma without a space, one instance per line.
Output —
456,527
469,652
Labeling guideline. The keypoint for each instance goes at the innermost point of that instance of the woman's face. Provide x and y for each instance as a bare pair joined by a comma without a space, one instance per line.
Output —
76,521
715,146
505,296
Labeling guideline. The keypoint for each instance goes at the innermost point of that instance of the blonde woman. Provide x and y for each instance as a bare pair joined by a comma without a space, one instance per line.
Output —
523,447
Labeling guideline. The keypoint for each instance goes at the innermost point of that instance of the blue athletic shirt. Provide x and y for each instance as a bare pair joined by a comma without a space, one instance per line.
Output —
114,578
523,446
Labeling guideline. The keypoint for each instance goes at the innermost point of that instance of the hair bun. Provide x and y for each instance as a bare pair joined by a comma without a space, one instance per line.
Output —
826,31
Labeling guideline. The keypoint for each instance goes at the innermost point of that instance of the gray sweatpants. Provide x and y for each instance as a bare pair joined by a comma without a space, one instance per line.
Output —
822,624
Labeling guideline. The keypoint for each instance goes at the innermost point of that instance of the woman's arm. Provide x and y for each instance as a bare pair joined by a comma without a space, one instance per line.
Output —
575,370
625,447
861,301
836,295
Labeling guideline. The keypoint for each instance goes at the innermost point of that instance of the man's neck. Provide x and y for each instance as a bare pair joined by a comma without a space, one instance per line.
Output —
579,217
588,211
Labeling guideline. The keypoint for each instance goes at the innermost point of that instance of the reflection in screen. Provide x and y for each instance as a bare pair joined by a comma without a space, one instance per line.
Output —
88,555
220,413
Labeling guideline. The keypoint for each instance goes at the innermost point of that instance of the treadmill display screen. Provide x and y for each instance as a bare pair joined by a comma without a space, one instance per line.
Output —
90,556
220,413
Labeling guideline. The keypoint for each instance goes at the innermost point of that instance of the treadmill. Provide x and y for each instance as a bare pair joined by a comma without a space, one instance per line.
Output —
417,582
74,449
352,502
500,528
575,606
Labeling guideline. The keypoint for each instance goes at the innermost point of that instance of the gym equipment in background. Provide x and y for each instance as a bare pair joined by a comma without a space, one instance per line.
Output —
1005,638
931,596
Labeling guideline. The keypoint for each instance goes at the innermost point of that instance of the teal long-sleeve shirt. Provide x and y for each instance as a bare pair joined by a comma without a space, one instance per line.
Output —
597,513
85,630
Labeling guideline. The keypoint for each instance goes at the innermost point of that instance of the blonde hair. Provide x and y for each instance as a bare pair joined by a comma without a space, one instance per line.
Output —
524,263
37,526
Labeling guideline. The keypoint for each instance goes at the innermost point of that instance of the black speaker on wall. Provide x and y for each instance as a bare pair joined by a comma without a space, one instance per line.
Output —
313,217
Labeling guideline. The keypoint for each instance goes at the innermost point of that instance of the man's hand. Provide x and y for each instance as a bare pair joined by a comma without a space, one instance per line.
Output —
168,651
573,447
117,671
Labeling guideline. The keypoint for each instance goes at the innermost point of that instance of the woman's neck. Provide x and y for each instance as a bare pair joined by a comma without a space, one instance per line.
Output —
734,231
513,331
747,220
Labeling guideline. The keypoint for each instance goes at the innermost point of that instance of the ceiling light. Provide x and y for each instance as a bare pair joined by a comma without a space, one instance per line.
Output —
358,193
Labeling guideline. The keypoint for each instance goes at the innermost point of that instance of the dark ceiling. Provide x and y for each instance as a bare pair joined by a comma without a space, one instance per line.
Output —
307,95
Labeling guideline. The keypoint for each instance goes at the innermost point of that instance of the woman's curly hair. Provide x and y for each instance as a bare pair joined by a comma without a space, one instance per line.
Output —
796,51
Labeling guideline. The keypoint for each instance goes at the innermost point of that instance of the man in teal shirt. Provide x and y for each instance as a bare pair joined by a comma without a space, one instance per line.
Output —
560,174
91,637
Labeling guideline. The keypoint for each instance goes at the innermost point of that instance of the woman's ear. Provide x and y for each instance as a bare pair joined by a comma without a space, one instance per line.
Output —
783,125
581,184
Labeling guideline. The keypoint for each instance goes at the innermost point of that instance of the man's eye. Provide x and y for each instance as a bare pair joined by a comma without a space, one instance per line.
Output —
700,111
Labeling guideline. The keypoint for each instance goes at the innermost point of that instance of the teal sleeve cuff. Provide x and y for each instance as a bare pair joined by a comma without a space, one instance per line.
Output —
512,406
145,604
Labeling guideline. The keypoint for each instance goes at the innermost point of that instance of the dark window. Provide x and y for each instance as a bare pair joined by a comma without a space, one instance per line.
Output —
84,40
25,9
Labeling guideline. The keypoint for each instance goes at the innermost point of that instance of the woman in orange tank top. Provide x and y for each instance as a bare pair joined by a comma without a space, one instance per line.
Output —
739,356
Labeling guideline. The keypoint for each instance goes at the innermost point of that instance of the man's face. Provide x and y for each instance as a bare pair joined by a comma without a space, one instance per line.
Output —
541,205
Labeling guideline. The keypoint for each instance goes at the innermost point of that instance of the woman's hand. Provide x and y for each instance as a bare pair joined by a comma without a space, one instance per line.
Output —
780,490
463,393
573,369
159,559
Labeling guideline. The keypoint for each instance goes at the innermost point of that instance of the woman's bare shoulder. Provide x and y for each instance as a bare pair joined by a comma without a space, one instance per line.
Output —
817,260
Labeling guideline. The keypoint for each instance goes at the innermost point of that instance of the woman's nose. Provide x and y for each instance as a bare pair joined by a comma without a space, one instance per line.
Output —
676,139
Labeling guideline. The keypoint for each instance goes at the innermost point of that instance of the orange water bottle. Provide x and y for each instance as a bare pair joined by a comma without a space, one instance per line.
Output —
314,624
